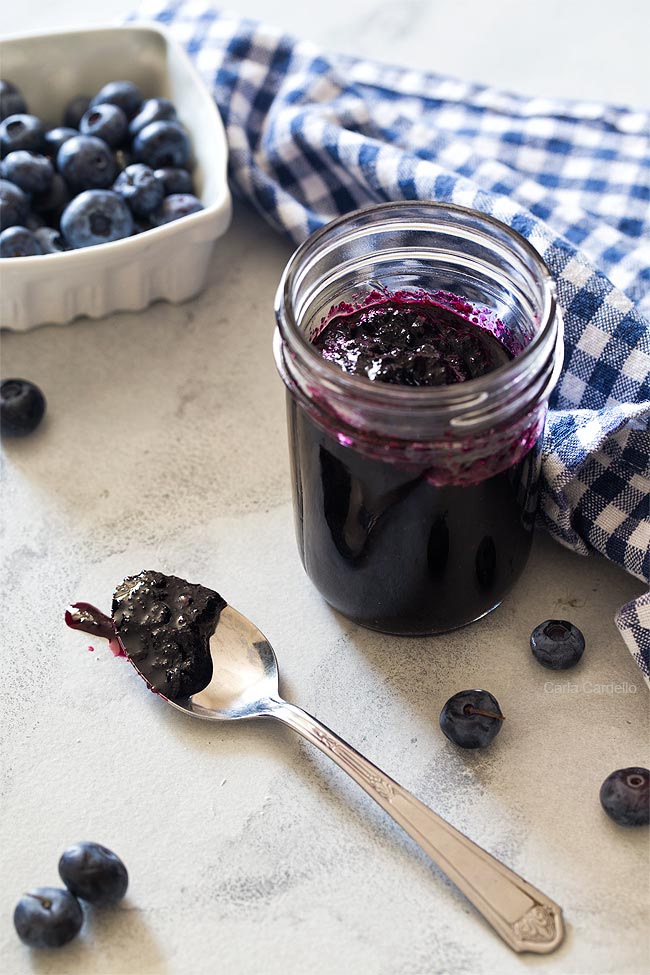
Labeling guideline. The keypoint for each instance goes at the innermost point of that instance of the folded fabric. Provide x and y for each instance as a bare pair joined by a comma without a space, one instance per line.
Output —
313,136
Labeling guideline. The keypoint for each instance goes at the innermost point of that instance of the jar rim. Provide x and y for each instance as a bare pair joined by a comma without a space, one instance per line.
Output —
416,398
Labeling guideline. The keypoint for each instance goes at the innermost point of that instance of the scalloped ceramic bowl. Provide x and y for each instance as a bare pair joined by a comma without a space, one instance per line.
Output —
169,262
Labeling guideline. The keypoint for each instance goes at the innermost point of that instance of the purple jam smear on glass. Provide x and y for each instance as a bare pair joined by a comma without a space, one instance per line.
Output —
163,624
411,341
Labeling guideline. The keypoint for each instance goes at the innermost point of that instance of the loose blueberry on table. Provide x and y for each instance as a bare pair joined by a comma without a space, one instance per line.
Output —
625,796
136,152
471,719
94,873
47,917
557,644
22,406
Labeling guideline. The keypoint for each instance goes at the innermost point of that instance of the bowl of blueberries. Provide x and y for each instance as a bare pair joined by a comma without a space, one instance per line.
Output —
113,185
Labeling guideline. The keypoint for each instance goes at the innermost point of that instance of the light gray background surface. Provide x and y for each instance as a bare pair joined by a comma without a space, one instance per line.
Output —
165,447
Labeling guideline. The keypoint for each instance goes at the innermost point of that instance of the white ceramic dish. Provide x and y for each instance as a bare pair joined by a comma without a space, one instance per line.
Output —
170,262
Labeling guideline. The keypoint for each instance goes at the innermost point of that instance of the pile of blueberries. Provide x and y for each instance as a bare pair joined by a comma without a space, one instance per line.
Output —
117,166
49,917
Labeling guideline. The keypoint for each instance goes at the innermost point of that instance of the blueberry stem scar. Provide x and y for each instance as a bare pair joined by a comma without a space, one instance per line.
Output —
468,709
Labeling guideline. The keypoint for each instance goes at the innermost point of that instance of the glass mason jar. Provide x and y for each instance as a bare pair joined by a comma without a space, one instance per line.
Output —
414,506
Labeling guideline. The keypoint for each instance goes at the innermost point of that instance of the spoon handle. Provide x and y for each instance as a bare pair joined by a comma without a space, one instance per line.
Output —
525,918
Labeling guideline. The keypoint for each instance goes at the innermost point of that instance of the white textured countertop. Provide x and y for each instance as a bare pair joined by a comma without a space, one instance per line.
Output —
165,447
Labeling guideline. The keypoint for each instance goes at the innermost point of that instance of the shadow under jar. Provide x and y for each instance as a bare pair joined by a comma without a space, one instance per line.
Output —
414,504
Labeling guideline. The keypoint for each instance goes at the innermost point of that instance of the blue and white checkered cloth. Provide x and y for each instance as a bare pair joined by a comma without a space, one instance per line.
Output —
312,136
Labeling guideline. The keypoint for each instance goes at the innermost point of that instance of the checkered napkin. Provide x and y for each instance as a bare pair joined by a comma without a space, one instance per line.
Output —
312,136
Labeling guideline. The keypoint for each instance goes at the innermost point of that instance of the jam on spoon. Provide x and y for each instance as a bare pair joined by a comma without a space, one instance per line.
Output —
163,624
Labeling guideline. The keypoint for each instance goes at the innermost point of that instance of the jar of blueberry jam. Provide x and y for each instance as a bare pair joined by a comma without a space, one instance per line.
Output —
419,343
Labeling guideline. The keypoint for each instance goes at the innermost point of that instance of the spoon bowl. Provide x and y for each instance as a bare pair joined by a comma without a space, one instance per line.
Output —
244,673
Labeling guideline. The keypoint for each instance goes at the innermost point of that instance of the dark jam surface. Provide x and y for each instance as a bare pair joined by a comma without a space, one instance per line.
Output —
411,343
164,624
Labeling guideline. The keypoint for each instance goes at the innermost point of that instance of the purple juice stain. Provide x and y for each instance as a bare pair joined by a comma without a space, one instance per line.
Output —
163,625
384,542
90,619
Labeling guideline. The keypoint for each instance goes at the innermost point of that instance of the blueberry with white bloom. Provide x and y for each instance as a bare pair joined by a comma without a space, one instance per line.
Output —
140,188
96,217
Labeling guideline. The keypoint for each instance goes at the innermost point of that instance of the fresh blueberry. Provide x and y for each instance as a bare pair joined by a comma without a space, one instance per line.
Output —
625,796
51,240
94,873
124,94
22,406
74,110
29,170
140,188
471,719
54,139
47,917
557,644
176,180
86,163
21,132
174,207
107,122
11,100
19,242
162,144
55,200
14,205
96,217
153,110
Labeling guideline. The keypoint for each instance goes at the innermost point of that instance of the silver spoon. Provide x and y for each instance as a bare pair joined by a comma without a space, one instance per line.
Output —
245,685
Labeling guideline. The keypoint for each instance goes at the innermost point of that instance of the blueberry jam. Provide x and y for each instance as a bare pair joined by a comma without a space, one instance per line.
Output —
410,343
390,545
163,624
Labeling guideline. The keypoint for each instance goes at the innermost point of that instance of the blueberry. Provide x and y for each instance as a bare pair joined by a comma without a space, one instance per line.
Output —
140,188
47,917
94,873
22,406
625,796
162,144
74,110
54,139
86,163
124,94
14,205
153,110
176,180
107,122
21,132
51,240
471,719
175,206
11,100
96,217
55,200
557,644
19,242
29,170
